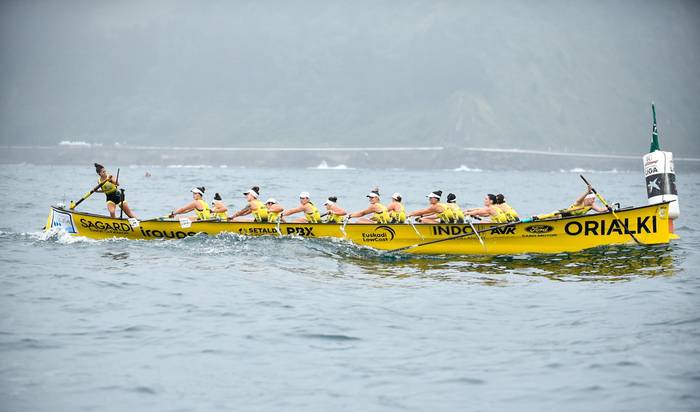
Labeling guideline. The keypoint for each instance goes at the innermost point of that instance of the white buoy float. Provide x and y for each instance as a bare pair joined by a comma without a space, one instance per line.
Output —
660,175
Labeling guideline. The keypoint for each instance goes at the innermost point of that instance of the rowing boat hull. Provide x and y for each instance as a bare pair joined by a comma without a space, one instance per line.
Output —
649,224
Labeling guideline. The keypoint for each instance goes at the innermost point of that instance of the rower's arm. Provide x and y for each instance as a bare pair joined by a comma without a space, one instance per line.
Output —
245,211
292,211
362,212
421,212
579,200
482,211
187,208
599,208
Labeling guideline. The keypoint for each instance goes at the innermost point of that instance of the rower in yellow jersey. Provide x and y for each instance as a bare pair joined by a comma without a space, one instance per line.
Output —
458,215
379,211
198,205
489,210
581,206
274,210
255,207
219,208
436,212
511,214
334,213
311,213
397,213
110,189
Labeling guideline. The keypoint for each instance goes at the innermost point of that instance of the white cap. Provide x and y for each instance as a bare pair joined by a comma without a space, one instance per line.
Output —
433,195
372,194
251,192
271,200
195,190
590,196
305,195
396,196
328,202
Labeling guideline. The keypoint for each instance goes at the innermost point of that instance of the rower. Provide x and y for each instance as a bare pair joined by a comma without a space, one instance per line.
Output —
397,213
436,212
198,205
334,213
456,210
274,210
378,210
311,214
255,207
109,188
219,208
489,210
580,207
511,214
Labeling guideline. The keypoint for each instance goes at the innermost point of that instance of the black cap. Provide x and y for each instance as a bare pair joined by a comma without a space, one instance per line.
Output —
217,196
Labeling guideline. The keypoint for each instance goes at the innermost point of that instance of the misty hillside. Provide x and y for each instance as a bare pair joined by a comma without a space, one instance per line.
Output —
532,75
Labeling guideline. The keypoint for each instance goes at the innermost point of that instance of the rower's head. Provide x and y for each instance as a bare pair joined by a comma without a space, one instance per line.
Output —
451,198
217,196
396,197
500,199
373,196
330,202
589,199
252,193
197,192
100,170
271,201
434,196
304,198
490,199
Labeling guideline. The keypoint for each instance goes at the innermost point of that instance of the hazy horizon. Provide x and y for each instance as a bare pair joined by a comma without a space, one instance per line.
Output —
551,76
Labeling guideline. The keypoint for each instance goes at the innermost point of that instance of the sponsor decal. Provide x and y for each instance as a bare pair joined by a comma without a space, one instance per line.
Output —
258,231
63,220
640,225
166,234
109,227
454,230
539,229
380,234
301,231
509,230
126,228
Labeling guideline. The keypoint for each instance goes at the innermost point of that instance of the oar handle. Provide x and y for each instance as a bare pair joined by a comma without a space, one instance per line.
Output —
86,195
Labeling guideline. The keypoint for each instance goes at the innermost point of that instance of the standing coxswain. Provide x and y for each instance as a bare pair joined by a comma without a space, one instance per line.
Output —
109,186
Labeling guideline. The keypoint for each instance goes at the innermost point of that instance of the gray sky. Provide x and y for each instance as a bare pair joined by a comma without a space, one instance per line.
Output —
569,76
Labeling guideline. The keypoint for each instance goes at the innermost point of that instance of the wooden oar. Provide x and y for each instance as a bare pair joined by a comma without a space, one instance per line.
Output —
88,194
622,222
401,249
414,228
476,233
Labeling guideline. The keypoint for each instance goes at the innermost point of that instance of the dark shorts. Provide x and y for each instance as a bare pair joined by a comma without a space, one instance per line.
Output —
115,197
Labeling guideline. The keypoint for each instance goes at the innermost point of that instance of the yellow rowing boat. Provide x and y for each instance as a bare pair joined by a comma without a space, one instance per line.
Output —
648,224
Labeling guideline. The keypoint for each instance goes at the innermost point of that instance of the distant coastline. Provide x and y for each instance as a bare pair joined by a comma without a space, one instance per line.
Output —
420,157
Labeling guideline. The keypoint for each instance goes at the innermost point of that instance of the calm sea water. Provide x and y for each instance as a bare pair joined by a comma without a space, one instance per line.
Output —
235,323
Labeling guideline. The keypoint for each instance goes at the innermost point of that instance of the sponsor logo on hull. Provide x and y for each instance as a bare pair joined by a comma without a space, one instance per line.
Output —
640,225
380,234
